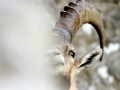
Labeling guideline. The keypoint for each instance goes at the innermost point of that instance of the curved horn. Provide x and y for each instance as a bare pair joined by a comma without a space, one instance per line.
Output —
77,14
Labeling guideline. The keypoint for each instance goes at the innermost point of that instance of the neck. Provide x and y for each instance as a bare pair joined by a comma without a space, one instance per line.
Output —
62,82
72,76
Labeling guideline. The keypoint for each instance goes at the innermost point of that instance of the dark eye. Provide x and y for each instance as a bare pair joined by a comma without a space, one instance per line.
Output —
72,53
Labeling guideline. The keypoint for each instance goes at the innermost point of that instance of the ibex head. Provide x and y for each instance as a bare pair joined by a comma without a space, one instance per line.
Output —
74,16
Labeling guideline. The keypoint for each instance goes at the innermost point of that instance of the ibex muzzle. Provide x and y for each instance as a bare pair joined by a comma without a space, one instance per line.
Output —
72,18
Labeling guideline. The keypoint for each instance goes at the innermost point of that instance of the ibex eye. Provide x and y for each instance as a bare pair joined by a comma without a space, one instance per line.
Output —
72,53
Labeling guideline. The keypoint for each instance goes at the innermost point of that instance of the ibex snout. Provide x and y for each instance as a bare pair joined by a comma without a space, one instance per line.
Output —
56,61
56,57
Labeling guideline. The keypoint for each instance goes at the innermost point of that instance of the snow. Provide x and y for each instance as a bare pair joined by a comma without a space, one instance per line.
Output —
112,47
103,72
87,28
92,88
110,79
22,42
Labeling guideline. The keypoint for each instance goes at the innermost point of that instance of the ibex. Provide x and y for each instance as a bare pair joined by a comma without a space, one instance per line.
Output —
72,18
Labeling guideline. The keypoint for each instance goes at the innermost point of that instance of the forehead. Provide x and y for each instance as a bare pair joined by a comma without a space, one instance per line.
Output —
61,42
64,46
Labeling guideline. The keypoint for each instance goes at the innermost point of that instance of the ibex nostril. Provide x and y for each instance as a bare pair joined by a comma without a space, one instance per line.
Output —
52,53
55,53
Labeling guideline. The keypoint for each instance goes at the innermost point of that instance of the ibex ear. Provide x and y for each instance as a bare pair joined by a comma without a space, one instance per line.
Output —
89,59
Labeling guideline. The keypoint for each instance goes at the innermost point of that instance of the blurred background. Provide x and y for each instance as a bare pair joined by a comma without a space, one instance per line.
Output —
24,27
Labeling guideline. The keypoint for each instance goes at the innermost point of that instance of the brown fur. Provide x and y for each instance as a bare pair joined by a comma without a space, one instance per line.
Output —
78,13
74,16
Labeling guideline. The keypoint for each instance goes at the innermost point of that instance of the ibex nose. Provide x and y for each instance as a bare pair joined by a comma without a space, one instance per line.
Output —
52,53
55,57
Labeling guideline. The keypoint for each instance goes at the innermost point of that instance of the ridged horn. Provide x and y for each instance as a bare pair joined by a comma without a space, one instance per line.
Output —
77,14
